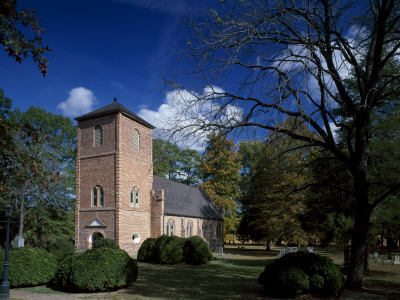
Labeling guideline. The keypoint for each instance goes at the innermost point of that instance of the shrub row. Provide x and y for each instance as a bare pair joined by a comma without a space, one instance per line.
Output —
301,273
173,250
104,267
29,266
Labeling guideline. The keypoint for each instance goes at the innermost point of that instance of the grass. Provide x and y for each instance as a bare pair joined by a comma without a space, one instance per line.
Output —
232,279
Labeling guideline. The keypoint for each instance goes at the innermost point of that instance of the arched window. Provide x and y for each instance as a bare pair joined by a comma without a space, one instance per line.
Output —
134,197
204,227
172,227
189,228
101,196
98,196
132,202
98,136
137,198
94,196
167,227
136,138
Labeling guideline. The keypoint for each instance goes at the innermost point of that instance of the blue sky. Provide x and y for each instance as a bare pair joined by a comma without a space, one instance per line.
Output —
101,49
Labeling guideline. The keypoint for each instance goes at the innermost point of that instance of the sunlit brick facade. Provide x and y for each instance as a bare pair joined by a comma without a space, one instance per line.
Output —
115,196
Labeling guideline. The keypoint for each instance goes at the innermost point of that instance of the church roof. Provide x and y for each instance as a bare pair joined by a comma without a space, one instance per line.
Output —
115,107
185,200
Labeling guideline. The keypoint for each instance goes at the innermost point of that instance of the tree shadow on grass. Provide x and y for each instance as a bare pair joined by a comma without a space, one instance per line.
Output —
216,280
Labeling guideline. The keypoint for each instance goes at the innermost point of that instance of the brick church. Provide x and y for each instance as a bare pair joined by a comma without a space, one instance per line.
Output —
118,197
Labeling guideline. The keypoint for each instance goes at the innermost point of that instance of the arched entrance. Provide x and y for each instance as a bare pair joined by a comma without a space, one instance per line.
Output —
93,237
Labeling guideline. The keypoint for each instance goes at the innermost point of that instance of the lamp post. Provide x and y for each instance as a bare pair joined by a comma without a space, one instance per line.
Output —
5,285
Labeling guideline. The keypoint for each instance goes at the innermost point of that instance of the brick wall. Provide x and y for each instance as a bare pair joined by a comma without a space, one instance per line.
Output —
117,167
95,166
214,232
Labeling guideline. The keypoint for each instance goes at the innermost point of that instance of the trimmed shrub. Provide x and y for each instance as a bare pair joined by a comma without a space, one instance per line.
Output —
320,272
105,243
316,283
97,269
168,250
29,267
293,282
196,251
145,253
61,248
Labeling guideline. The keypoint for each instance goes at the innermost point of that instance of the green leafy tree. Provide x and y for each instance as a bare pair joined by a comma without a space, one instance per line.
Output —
15,24
273,199
48,188
13,160
220,175
174,163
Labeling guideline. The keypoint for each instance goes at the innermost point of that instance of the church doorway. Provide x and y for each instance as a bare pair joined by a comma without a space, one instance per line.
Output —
94,237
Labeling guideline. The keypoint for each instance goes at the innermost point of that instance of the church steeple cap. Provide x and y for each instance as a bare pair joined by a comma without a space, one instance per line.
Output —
112,108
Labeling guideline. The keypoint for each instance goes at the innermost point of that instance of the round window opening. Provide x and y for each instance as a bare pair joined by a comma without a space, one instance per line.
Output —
136,238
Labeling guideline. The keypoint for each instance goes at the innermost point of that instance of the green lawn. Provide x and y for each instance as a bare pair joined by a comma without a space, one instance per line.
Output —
232,279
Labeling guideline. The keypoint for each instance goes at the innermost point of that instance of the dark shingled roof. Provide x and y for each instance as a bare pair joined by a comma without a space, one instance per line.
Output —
185,200
115,108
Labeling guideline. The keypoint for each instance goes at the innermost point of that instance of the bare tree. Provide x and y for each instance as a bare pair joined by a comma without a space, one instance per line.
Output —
292,59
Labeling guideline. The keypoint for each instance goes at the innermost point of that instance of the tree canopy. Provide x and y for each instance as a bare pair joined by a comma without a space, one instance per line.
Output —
292,59
220,175
176,164
15,25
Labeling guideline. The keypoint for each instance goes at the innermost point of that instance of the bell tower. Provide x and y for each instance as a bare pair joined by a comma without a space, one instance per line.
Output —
114,178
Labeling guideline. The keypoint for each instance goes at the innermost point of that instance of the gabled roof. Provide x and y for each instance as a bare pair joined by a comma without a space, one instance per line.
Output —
185,200
115,107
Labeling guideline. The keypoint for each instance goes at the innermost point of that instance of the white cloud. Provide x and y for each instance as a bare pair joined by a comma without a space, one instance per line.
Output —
79,102
117,85
189,116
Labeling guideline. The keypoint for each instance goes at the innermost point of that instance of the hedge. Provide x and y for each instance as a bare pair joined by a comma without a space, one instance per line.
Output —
173,249
29,266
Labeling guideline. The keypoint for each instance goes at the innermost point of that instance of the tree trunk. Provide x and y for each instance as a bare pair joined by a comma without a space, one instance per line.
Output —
360,231
22,211
358,168
357,255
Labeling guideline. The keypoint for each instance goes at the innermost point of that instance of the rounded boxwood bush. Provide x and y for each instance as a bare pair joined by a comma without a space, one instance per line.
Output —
320,272
145,253
196,251
106,243
293,282
29,266
168,250
61,248
97,269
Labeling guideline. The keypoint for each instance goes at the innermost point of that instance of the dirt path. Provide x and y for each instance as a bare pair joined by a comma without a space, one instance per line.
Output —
17,294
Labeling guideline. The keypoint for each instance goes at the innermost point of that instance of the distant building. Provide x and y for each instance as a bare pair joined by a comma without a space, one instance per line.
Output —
117,195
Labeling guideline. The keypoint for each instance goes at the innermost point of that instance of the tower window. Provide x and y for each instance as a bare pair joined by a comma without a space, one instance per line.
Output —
136,139
98,136
137,198
134,197
98,196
